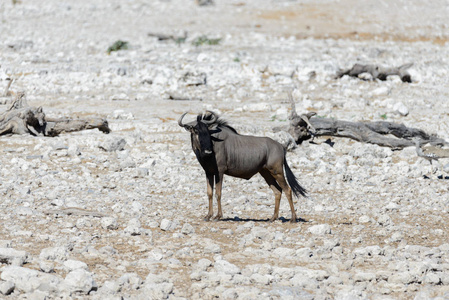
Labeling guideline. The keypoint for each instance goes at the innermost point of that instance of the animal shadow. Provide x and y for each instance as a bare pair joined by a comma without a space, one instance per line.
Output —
282,219
439,177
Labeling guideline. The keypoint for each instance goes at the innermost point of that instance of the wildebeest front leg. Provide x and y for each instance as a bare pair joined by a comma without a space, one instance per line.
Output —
218,185
210,192
276,190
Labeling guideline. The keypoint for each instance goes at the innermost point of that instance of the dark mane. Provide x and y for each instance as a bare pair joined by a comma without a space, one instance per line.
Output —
219,122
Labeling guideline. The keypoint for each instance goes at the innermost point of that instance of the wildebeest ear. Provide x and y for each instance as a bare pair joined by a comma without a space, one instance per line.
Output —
39,109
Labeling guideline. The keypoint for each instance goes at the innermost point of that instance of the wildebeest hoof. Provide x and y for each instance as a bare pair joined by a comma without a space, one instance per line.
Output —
273,219
207,218
217,218
293,220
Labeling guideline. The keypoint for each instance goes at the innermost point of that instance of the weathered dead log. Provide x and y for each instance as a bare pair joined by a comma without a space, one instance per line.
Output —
204,2
76,212
55,127
387,134
378,72
164,37
7,93
20,118
178,97
161,36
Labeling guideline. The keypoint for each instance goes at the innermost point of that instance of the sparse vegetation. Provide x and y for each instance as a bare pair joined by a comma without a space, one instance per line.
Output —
164,37
118,45
383,116
204,40
276,118
180,40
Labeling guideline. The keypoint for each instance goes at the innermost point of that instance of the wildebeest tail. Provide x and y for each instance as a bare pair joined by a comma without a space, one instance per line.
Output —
293,182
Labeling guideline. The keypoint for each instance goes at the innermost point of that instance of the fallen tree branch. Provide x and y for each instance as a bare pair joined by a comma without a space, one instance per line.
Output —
76,212
378,72
20,118
55,127
178,97
164,37
387,134
7,93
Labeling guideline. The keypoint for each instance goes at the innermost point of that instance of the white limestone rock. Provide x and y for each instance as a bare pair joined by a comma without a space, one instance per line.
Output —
187,229
28,280
6,287
54,253
168,225
320,229
133,227
13,257
157,287
109,223
78,281
400,109
223,266
71,265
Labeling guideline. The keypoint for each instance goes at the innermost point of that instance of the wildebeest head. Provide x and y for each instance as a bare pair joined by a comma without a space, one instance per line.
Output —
199,133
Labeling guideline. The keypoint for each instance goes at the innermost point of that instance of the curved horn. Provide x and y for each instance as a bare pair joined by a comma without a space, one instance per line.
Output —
180,120
213,120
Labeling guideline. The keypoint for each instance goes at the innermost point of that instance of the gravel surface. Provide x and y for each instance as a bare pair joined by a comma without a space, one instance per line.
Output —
120,216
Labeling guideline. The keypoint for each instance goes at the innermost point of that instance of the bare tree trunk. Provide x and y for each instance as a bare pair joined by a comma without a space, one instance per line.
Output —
20,118
387,134
55,127
378,72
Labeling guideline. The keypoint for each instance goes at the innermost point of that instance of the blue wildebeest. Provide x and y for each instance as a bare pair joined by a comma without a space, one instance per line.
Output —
221,150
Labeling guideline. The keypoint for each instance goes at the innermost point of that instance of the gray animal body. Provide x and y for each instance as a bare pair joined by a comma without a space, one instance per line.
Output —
222,151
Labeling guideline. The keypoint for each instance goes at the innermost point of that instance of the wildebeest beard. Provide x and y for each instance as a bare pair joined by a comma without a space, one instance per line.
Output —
204,138
205,153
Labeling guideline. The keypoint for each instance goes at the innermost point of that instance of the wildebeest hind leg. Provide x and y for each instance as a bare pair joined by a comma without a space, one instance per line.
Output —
288,192
218,185
276,190
210,193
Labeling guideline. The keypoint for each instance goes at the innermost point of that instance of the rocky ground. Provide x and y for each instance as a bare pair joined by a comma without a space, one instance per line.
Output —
119,216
